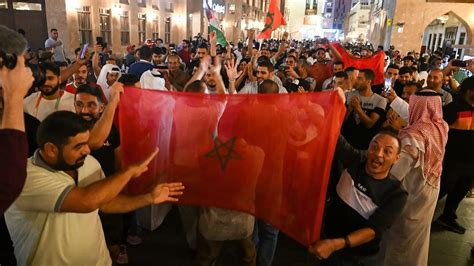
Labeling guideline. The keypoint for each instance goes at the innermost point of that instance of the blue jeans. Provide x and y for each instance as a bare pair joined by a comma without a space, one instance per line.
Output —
265,238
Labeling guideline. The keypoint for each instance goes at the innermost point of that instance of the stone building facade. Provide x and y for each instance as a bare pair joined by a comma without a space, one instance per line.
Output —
405,28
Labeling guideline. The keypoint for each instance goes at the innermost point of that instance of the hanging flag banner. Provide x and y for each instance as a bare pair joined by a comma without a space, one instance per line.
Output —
267,155
375,62
214,24
273,20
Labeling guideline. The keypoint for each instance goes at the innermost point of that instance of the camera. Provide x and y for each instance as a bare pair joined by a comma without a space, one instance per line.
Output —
7,60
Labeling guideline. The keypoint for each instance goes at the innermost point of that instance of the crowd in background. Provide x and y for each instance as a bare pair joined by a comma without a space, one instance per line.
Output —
404,145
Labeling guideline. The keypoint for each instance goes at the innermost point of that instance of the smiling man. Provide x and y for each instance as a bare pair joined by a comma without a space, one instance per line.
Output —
367,203
50,98
54,221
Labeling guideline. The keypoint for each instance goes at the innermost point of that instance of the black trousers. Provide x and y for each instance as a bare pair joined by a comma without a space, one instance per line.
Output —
456,180
113,226
7,257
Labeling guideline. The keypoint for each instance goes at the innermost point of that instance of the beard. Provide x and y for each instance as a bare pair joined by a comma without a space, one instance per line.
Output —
90,119
62,165
50,92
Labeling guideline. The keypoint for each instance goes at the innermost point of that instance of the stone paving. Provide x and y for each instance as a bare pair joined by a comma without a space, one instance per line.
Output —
167,245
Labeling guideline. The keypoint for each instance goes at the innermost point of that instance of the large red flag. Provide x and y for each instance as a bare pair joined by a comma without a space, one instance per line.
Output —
375,62
267,155
273,20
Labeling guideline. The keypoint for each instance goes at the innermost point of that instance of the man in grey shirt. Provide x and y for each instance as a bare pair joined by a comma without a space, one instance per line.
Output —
264,71
435,82
57,45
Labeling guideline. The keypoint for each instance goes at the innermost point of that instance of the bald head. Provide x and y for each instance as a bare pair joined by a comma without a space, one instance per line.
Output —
435,80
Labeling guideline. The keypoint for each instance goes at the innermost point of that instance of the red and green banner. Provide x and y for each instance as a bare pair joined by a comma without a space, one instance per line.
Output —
273,20
267,155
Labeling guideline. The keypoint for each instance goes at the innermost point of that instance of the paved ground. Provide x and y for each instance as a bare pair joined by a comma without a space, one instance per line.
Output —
167,245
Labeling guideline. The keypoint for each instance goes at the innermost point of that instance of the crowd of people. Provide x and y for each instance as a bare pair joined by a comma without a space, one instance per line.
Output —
403,146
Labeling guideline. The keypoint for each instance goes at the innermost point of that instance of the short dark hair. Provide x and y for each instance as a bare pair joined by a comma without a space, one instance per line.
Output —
128,79
393,66
91,89
339,63
53,29
195,86
267,64
58,127
404,70
291,56
409,58
341,74
369,74
350,69
393,134
416,84
158,50
51,67
145,52
268,86
203,46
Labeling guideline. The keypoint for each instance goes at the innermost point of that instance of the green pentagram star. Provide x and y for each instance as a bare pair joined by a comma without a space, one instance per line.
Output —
229,148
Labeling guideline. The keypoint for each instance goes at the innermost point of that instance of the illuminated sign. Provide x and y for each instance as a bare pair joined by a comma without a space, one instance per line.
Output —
216,7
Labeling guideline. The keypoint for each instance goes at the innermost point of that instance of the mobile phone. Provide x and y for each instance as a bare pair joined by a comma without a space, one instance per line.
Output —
459,63
84,49
388,85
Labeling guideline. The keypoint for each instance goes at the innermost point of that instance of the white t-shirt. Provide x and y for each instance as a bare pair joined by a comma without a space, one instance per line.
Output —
44,236
41,108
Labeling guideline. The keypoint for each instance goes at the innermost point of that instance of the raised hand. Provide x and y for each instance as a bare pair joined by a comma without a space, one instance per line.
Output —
138,169
231,70
87,56
115,91
166,192
355,103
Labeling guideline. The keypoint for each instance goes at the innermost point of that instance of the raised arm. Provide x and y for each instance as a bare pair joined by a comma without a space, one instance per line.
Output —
335,52
167,192
102,127
233,74
95,59
100,193
68,72
201,71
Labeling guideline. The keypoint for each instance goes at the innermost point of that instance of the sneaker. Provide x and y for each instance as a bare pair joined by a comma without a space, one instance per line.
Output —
134,240
122,257
451,225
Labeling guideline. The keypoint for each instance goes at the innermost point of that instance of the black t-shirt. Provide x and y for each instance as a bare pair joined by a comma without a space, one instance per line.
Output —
362,201
353,129
460,116
31,127
106,154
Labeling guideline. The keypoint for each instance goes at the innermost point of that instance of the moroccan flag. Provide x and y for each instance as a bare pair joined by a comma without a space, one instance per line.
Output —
273,20
214,25
267,155
375,62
